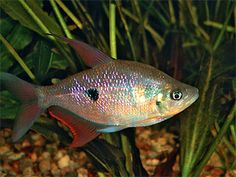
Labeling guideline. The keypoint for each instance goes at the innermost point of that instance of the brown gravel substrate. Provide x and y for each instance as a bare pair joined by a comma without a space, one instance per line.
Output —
35,156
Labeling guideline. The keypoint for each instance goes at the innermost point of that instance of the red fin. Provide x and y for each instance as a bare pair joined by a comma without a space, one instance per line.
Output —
29,111
81,130
90,55
25,119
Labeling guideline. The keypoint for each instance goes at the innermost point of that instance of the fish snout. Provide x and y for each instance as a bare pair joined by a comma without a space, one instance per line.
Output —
192,94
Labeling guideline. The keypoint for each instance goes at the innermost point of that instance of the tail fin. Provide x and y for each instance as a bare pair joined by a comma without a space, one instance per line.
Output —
29,111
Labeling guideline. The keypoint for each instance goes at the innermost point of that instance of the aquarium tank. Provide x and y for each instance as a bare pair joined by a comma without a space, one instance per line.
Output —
191,41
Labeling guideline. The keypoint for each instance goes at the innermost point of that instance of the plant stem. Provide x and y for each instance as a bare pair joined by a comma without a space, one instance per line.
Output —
112,29
60,19
219,137
233,132
172,13
220,36
36,19
127,30
17,57
219,26
46,30
157,38
126,149
189,160
69,13
225,141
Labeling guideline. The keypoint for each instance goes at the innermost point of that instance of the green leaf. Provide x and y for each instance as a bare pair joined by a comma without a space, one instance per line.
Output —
58,62
42,58
15,10
28,61
8,105
49,127
6,60
19,37
7,25
107,155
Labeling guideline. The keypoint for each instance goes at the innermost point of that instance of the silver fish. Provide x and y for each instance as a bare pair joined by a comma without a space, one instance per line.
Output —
111,96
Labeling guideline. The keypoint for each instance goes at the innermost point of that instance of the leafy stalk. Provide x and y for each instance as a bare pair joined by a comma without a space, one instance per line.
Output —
233,132
219,26
126,30
220,36
17,57
190,154
157,37
47,31
112,29
70,14
60,19
219,137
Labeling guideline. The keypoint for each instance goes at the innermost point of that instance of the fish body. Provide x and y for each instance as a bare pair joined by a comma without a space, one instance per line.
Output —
126,94
111,96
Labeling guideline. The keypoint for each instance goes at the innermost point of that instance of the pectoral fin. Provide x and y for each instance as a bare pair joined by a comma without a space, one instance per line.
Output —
82,131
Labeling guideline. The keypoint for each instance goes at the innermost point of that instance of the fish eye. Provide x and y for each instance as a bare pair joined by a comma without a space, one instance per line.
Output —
158,103
176,95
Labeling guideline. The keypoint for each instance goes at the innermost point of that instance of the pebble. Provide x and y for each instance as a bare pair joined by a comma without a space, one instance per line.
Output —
44,165
54,170
2,140
45,155
152,162
82,172
25,163
16,156
59,155
33,157
4,150
28,172
64,162
26,143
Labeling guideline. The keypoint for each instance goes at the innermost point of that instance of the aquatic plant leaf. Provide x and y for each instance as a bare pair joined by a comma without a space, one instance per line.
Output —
8,105
58,62
49,129
138,168
6,60
7,24
42,59
15,10
197,121
107,156
19,37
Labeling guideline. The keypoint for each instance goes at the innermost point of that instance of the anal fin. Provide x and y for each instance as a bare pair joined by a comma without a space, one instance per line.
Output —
82,131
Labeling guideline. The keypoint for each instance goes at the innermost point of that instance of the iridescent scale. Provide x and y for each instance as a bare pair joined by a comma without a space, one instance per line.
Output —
127,93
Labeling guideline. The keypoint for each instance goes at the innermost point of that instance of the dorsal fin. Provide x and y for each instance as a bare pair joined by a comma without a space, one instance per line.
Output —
90,55
82,131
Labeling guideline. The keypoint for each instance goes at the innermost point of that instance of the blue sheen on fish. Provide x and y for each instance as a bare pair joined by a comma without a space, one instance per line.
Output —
111,96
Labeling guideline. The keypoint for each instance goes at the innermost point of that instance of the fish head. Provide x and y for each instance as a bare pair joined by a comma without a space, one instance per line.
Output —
175,97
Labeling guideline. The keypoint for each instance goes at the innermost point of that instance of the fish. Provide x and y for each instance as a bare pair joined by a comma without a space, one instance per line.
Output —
110,96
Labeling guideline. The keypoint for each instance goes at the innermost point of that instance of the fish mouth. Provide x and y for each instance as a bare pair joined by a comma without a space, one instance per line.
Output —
193,93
